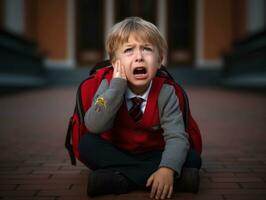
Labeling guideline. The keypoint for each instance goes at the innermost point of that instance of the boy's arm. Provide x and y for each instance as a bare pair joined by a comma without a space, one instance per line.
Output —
107,101
176,139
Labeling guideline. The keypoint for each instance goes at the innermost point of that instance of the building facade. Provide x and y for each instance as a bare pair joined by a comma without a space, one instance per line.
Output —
71,33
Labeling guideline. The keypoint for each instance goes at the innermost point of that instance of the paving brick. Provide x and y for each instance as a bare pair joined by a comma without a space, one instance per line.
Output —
29,198
218,175
74,168
234,191
212,185
69,177
238,180
12,193
45,168
234,170
203,197
18,172
251,174
244,197
24,176
65,186
44,182
68,193
109,197
7,187
56,171
253,185
255,170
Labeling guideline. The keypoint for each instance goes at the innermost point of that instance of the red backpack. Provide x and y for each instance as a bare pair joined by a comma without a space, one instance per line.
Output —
84,98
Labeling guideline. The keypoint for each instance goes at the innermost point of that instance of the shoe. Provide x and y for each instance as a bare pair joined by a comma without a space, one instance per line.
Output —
104,181
188,181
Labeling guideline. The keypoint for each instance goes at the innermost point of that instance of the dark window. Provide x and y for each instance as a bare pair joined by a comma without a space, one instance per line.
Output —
90,30
145,9
180,30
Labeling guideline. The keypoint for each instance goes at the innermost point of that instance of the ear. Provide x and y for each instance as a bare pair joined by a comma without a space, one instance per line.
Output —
113,61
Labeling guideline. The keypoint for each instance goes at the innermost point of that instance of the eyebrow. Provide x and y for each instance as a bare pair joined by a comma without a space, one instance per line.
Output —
132,45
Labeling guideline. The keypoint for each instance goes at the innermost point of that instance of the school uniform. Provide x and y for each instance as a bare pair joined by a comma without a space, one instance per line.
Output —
136,149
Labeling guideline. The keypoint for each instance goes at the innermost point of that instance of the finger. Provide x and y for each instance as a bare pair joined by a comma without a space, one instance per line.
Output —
116,72
123,73
150,180
119,69
170,192
117,65
165,191
159,191
154,189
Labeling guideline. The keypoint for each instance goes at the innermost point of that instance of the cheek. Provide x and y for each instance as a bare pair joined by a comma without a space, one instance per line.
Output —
155,62
127,71
126,63
123,59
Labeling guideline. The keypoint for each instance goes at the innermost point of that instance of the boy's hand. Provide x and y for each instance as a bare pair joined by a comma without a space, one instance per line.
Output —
162,183
119,70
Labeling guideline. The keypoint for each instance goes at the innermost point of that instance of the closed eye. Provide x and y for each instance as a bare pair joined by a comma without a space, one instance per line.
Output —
128,50
147,49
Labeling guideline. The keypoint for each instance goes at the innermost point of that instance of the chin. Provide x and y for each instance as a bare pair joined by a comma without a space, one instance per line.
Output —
139,85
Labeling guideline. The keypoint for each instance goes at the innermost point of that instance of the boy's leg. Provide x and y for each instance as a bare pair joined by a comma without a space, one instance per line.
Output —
193,160
189,178
100,154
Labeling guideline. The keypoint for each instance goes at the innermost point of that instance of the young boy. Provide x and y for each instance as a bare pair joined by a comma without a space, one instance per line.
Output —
136,136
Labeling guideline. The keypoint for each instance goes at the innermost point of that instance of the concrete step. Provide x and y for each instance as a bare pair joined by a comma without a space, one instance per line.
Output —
257,81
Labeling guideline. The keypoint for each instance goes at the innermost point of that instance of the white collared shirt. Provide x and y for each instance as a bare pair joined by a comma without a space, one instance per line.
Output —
129,95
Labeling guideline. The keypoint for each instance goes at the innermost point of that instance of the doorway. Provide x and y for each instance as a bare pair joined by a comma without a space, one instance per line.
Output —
89,31
181,23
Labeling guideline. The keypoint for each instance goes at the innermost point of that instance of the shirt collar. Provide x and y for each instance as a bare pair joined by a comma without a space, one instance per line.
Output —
130,94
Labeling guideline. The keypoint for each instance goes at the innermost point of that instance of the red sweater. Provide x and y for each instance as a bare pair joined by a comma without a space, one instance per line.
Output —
143,136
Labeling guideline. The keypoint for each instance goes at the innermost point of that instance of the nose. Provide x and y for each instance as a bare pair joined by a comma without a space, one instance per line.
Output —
139,57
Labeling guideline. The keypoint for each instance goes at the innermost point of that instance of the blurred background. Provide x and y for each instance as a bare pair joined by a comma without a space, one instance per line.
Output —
55,42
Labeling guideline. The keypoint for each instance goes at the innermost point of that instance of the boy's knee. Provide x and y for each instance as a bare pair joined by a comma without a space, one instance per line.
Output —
193,160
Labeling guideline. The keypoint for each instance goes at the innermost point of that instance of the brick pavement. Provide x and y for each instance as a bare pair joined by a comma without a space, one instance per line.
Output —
35,166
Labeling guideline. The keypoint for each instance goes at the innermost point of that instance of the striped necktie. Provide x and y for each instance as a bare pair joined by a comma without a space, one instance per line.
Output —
135,111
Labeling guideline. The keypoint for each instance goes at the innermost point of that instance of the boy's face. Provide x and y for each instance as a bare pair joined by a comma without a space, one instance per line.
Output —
141,62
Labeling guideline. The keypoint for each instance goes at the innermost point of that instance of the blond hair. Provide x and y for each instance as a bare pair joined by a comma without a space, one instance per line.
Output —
142,29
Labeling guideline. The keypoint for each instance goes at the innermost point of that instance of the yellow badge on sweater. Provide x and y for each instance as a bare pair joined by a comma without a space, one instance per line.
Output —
100,103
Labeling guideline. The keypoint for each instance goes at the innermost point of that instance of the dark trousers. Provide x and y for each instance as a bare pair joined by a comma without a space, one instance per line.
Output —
97,153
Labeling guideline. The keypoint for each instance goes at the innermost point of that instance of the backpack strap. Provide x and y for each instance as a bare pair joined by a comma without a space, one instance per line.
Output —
68,144
186,109
168,79
100,65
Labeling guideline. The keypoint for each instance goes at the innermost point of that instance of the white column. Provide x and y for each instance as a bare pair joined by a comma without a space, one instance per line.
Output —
162,20
255,15
162,17
109,19
14,16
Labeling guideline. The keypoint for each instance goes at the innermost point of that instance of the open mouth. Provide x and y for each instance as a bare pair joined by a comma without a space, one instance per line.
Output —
140,73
